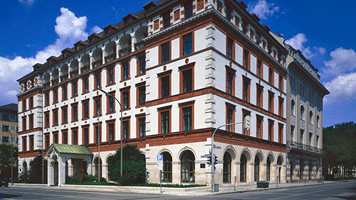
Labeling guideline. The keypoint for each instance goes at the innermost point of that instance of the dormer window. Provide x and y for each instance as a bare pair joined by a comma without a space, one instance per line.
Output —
237,21
64,55
228,15
264,44
77,48
91,41
188,10
127,22
167,20
107,33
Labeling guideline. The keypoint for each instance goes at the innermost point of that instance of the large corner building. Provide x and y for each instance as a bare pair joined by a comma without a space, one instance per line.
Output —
180,69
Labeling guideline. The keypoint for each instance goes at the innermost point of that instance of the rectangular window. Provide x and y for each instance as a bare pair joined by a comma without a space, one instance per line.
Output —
85,135
280,133
24,143
165,52
46,100
187,44
280,106
64,115
31,102
74,88
30,121
270,76
74,112
167,20
292,133
230,81
111,103
246,89
125,98
24,106
229,49
97,109
187,116
246,59
97,81
142,64
141,126
55,137
230,112
188,10
47,140
64,92
259,128
165,86
310,139
187,80
55,95
259,98
270,130
259,69
64,137
270,101
141,95
86,84
97,133
280,83
85,109
317,141
31,143
55,117
46,119
301,139
165,122
126,129
111,75
125,70
75,136
5,128
111,131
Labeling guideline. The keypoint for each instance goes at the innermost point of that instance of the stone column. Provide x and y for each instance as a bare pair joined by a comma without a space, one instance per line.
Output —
89,169
70,168
61,171
50,172
263,172
176,178
250,171
237,173
105,171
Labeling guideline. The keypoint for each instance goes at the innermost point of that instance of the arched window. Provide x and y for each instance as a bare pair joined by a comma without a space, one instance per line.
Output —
227,168
310,117
24,167
268,170
187,167
257,169
302,113
292,107
167,167
243,163
279,165
317,121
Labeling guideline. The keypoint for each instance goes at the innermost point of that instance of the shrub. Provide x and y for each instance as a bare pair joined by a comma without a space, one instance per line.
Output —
134,166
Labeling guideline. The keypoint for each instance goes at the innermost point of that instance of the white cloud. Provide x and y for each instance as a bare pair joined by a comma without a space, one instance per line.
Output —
96,29
299,42
28,2
341,88
263,9
342,61
69,29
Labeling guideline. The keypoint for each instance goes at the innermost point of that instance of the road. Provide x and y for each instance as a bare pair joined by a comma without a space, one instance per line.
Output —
340,190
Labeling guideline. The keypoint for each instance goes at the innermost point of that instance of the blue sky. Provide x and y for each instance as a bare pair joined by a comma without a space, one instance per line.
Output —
324,30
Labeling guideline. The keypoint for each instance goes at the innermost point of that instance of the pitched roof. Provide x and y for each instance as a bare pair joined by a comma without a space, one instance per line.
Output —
12,107
71,149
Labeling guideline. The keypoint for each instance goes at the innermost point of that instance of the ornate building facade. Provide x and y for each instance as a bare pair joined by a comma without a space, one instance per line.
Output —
180,69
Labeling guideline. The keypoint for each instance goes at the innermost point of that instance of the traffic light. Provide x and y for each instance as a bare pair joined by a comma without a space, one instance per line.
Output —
216,160
209,160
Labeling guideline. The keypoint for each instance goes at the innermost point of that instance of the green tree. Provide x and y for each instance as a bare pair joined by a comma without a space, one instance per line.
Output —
5,159
134,166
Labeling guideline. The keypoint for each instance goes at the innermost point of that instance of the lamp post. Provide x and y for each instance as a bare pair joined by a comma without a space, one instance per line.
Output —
121,129
246,127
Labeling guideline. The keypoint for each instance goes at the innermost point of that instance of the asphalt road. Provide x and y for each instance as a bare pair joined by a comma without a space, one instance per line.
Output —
340,190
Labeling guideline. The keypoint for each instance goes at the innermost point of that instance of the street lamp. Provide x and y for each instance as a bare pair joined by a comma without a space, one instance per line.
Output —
121,137
12,156
246,123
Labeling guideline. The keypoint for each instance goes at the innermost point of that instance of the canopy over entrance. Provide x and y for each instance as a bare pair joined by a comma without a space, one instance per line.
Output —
57,156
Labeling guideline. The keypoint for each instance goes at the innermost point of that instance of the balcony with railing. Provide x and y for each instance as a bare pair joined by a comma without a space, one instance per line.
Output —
300,147
125,51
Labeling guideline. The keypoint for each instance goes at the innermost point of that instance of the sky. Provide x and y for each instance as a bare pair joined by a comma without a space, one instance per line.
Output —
324,30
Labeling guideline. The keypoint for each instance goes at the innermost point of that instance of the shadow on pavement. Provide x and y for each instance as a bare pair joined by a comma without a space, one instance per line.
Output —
3,196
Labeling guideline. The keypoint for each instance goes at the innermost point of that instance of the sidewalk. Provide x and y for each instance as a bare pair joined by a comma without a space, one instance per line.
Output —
194,191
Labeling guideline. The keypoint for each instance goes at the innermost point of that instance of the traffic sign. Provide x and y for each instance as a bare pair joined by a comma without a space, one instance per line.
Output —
159,157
